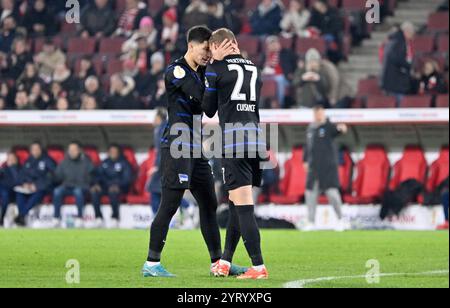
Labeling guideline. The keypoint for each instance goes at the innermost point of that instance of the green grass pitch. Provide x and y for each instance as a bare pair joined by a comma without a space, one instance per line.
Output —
30,258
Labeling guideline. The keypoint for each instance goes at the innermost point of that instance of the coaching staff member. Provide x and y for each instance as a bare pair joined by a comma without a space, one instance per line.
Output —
321,163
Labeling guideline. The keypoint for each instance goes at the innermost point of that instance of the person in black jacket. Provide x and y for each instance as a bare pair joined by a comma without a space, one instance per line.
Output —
267,17
113,179
9,178
98,19
38,21
328,21
35,180
396,76
322,165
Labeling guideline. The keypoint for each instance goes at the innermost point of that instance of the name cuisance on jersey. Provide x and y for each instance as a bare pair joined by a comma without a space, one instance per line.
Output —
243,107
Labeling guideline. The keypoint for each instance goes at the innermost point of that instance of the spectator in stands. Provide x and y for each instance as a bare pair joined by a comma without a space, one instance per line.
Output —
62,104
89,102
22,102
445,203
160,95
9,178
92,88
98,20
28,78
329,22
63,76
74,175
39,98
430,81
397,62
17,59
311,82
113,179
279,65
7,95
7,35
86,69
296,19
49,59
8,9
266,19
222,14
321,163
38,20
3,103
121,93
196,14
35,181
169,34
148,32
135,11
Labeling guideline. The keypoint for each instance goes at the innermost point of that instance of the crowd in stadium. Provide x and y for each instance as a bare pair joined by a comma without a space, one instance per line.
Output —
116,56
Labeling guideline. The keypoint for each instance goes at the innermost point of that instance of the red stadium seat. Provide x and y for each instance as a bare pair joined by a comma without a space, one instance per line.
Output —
372,179
346,171
353,5
416,102
443,43
39,43
305,44
22,153
130,155
111,45
442,101
369,86
251,4
381,101
139,195
113,66
93,154
293,185
250,44
78,45
439,170
69,29
269,90
438,22
424,44
412,166
154,6
56,153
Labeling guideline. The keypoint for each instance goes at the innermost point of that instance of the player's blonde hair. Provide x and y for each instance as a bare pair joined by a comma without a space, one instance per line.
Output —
221,35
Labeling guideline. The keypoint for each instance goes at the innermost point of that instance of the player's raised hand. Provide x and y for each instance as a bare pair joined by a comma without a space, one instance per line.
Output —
226,48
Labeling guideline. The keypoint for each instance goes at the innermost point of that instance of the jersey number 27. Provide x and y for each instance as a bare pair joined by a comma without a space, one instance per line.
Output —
237,95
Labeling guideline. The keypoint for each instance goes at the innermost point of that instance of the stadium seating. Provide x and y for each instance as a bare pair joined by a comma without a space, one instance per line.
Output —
81,46
369,86
424,44
269,91
293,185
442,101
416,102
438,22
372,179
22,153
111,46
93,154
412,166
56,153
381,101
439,170
139,194
304,44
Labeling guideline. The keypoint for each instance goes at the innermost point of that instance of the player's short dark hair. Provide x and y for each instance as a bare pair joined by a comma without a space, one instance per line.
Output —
115,146
221,35
77,143
199,34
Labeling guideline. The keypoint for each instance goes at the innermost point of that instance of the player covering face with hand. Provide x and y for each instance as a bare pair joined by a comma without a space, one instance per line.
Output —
233,89
184,81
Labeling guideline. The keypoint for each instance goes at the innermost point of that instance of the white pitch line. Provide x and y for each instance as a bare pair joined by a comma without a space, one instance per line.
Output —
300,284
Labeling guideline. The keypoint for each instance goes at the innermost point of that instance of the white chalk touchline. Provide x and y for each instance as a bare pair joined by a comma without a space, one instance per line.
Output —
300,284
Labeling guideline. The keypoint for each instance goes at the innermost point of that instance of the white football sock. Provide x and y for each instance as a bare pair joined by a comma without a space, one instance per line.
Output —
222,262
259,268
